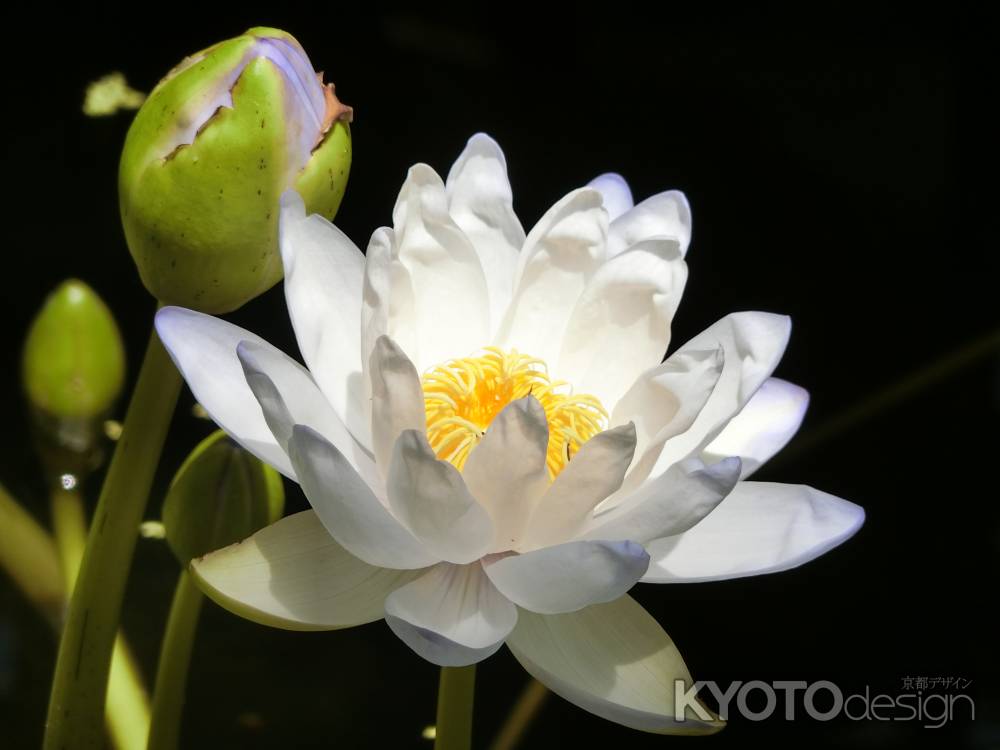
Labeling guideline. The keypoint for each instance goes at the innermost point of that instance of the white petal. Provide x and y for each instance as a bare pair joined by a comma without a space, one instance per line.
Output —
620,326
432,501
376,291
323,284
669,504
481,203
615,191
761,527
753,343
662,215
397,399
560,256
568,577
387,307
613,660
287,395
506,472
293,575
204,350
595,472
764,426
663,403
347,507
452,615
450,299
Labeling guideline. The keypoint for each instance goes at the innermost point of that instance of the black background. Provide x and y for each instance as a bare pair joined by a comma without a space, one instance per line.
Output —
833,165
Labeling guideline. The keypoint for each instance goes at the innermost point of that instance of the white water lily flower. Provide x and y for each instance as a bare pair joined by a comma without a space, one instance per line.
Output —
491,446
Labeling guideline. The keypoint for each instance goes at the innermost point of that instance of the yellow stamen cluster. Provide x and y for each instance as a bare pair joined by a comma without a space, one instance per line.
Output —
462,396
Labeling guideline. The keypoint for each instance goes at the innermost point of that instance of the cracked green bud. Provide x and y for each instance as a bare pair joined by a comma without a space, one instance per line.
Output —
220,495
207,158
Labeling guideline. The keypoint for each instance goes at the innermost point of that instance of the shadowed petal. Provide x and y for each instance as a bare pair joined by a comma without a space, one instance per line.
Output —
293,575
662,215
397,399
669,504
753,343
595,472
347,507
613,660
764,426
452,615
561,254
506,472
761,527
204,349
429,497
568,577
620,326
323,284
287,396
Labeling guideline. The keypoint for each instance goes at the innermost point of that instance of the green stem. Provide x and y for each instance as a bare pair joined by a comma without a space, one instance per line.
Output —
81,677
127,708
69,526
172,671
454,710
29,556
521,717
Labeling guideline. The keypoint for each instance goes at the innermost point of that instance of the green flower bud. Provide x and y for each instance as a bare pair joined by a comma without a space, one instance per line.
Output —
220,495
73,368
207,158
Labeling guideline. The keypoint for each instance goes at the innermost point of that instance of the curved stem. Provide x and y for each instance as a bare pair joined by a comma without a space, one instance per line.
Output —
81,678
521,717
126,711
127,708
30,559
456,690
172,670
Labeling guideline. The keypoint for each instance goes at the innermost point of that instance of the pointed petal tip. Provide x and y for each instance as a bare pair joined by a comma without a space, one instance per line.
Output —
166,316
486,143
423,174
615,193
791,391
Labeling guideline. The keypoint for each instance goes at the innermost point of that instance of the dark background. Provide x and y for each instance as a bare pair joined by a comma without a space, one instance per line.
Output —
832,163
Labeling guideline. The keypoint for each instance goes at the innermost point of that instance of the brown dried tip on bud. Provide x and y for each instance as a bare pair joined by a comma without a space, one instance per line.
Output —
336,110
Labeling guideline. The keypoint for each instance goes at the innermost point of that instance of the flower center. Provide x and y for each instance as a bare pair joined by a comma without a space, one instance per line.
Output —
462,396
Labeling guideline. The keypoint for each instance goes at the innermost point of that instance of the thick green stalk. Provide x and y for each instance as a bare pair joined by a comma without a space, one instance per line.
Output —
78,689
456,690
127,708
172,670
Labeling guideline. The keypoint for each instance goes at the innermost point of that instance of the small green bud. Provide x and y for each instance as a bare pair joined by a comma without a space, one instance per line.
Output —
207,158
220,495
73,369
